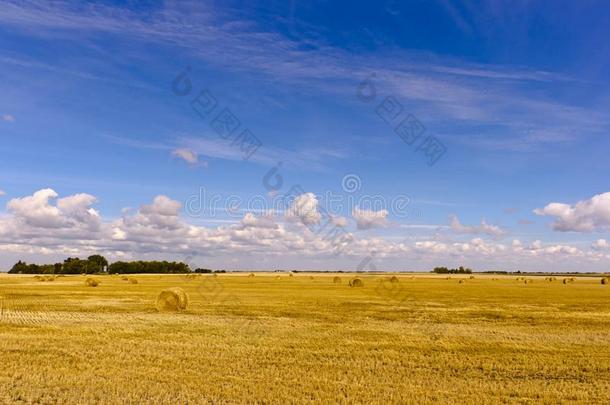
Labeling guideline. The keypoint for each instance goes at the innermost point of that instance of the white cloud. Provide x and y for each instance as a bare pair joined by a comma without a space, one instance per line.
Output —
8,118
2,192
483,228
367,219
305,209
585,216
339,221
187,155
37,210
44,223
600,244
264,221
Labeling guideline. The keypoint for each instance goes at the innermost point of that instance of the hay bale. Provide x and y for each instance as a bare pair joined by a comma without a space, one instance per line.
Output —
311,277
337,280
605,280
394,279
172,299
462,281
49,278
251,275
471,277
291,275
91,282
133,280
356,282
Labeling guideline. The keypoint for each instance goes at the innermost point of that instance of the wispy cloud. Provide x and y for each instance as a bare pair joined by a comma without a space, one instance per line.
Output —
464,94
187,155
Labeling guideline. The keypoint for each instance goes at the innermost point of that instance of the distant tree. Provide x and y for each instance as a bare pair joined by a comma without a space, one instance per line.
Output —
74,265
203,271
445,270
24,268
441,270
19,268
156,267
97,263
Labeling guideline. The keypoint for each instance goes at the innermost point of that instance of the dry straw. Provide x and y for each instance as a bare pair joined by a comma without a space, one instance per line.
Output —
394,279
91,282
356,283
133,281
172,300
605,280
337,280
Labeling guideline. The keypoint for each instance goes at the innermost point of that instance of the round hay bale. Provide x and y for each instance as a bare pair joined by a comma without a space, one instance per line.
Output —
565,281
133,281
337,280
291,275
251,275
91,282
605,281
311,277
394,279
471,277
356,283
462,281
125,278
172,300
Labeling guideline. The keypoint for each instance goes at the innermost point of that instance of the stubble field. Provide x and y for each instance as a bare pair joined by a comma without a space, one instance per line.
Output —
266,338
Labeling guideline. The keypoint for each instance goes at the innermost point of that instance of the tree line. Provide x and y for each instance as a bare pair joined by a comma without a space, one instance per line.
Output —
445,270
97,264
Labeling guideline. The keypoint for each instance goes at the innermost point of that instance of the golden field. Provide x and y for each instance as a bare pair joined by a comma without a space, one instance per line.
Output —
270,339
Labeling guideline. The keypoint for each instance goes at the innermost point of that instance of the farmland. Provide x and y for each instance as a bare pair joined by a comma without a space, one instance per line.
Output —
276,338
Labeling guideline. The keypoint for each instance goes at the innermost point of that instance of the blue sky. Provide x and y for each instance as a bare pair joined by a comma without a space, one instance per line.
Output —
515,92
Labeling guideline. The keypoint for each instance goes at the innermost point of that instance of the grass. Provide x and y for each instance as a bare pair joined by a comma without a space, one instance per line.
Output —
293,339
